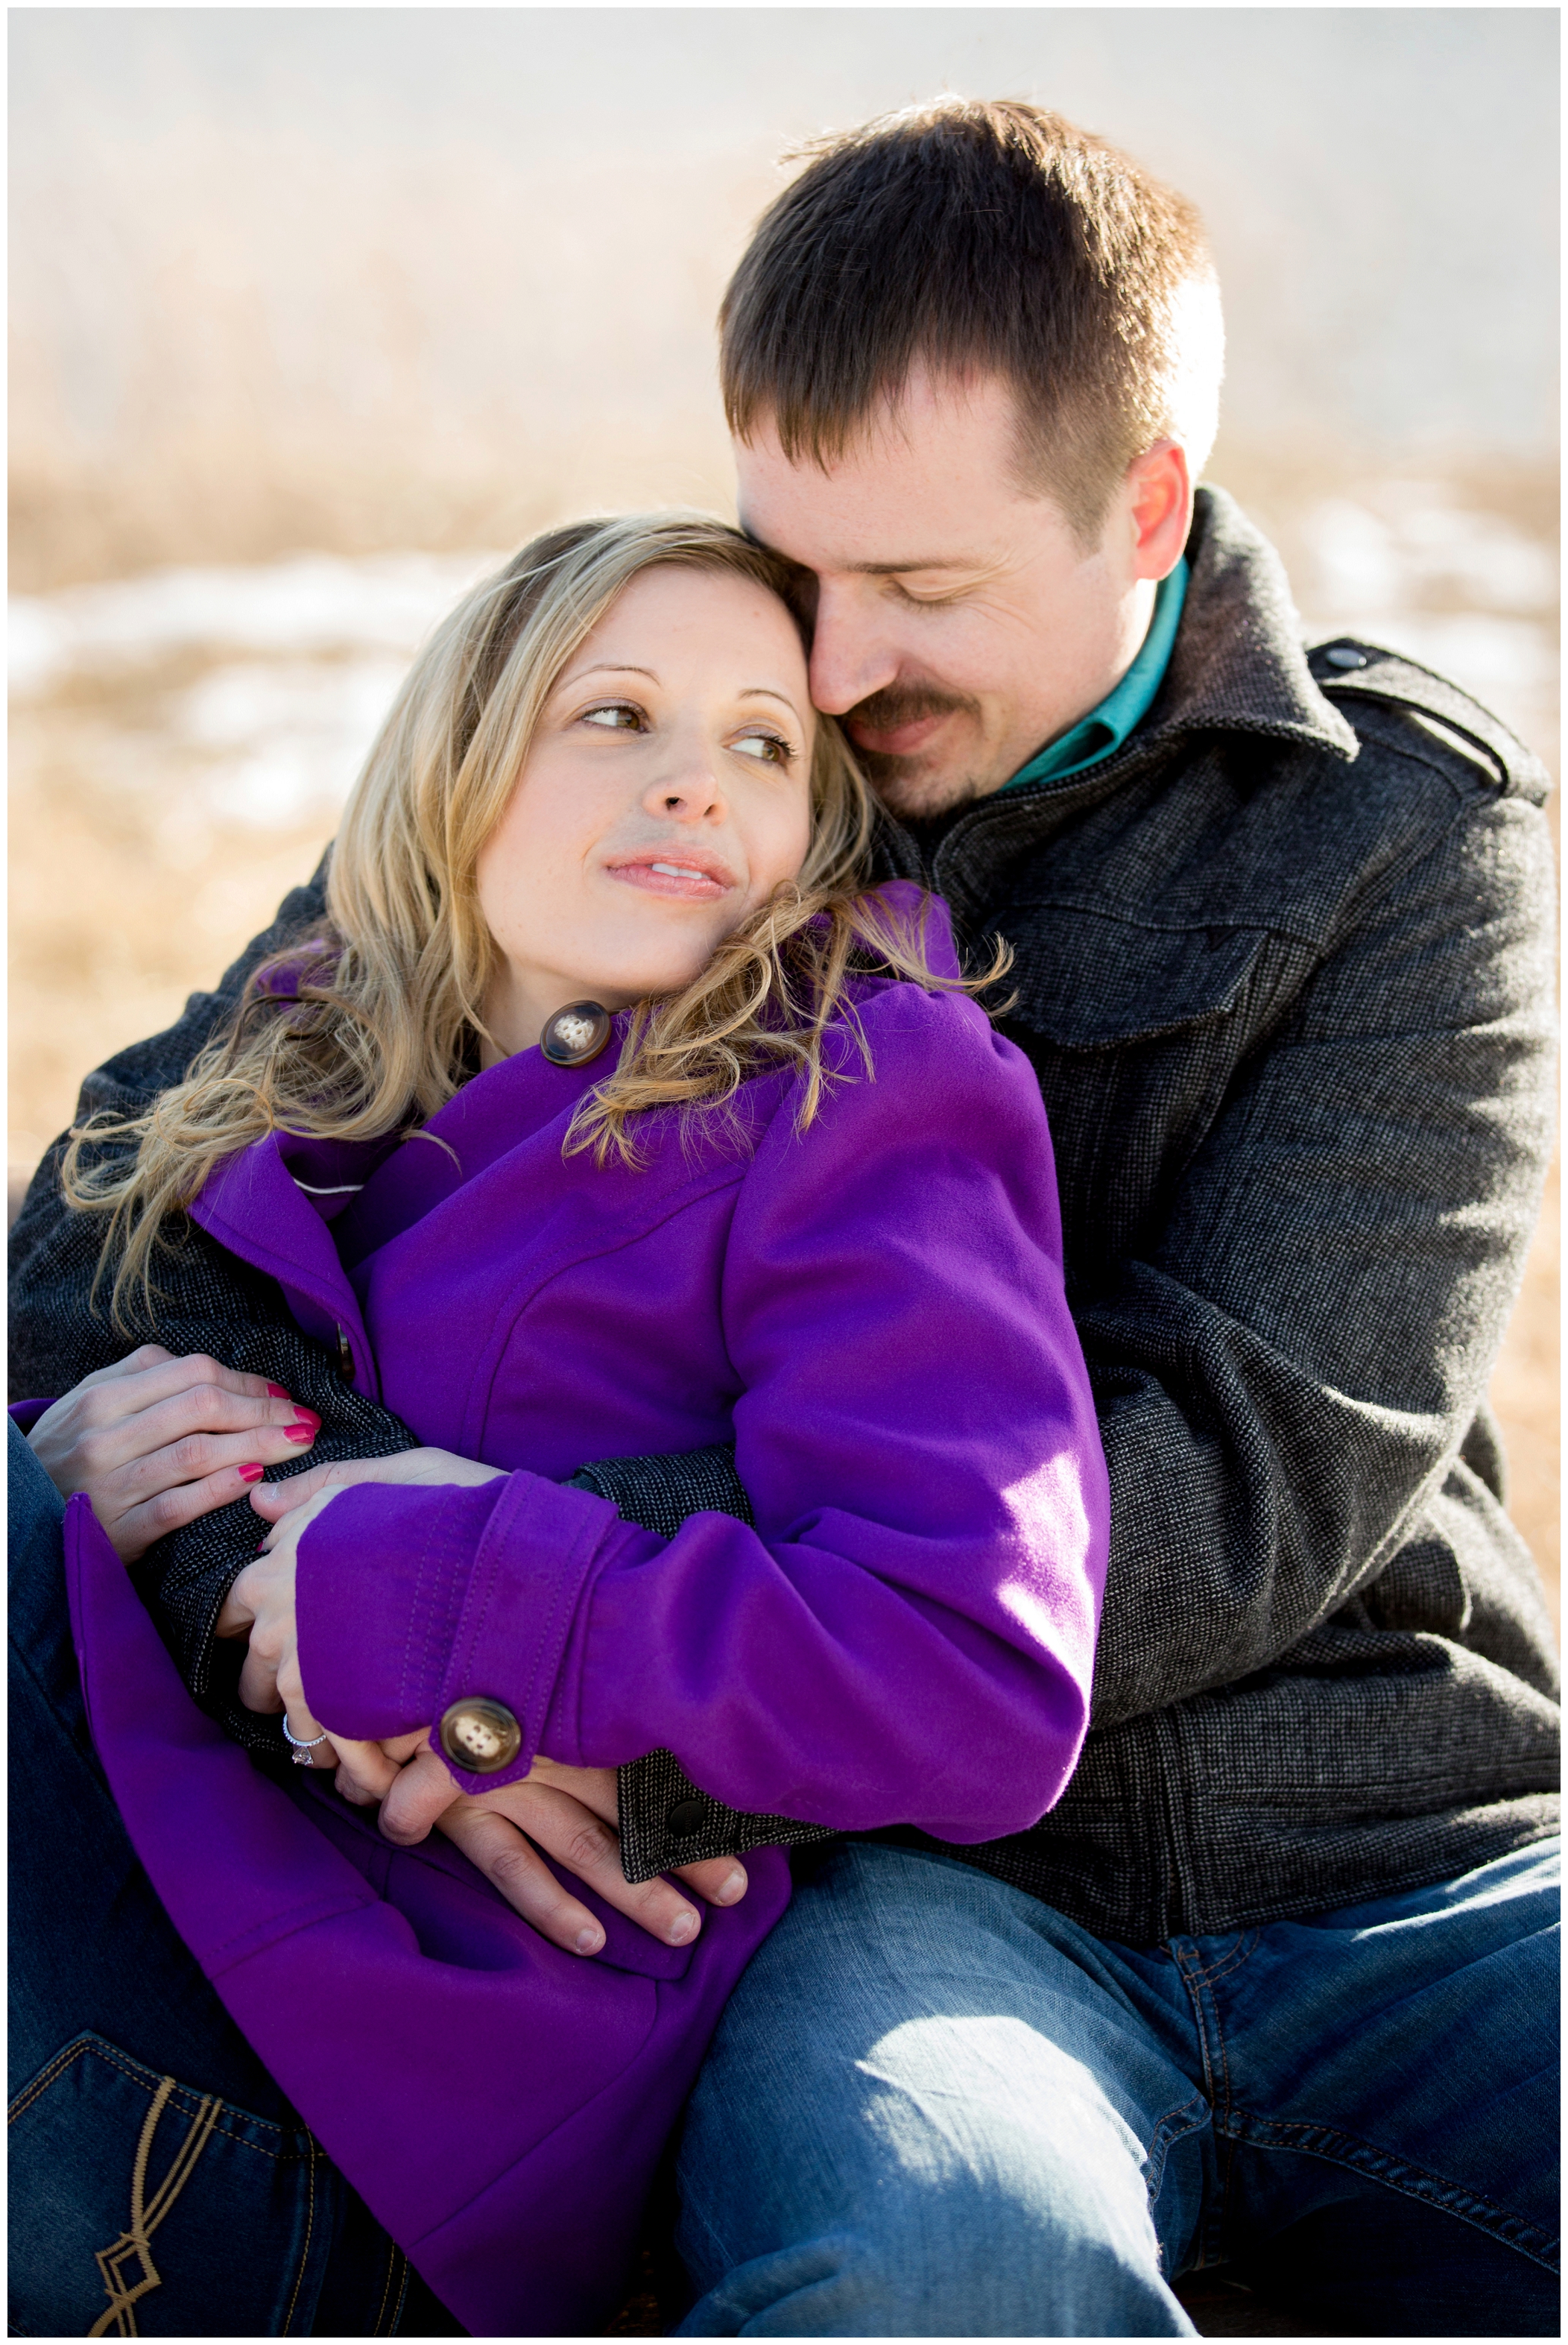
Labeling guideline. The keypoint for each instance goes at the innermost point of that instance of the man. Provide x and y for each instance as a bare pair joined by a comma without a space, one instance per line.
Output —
1270,1985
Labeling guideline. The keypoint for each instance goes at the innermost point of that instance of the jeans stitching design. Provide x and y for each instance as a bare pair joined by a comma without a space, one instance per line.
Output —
41,2082
184,2098
1167,2134
309,2227
1315,2140
395,2322
1198,1982
1230,1960
147,2214
380,2329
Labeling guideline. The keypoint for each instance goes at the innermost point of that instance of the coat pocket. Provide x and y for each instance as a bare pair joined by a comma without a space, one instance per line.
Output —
1134,1031
1093,980
143,2206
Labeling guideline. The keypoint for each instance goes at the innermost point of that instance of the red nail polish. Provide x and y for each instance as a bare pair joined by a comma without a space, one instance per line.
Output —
300,1431
250,1473
277,1392
306,1416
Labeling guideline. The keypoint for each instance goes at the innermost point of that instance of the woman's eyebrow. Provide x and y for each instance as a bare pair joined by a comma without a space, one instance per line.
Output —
630,667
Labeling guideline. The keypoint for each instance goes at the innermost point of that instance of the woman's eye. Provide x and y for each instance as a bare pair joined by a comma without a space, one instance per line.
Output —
763,744
620,718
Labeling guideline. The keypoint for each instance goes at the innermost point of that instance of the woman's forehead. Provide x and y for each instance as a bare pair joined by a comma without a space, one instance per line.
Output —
671,619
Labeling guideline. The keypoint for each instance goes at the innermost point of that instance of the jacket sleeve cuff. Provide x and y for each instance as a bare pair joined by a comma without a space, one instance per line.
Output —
411,1599
666,1820
25,1413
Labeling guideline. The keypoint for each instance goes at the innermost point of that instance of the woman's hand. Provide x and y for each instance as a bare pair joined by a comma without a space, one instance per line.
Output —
570,1811
157,1440
260,1605
261,1602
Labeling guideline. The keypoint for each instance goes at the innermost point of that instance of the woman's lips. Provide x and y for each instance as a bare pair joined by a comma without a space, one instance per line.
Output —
669,875
902,740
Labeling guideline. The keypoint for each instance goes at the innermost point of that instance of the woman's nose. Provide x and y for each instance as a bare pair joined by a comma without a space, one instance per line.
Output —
687,791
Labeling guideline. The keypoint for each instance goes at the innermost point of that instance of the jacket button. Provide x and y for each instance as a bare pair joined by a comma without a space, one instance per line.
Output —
481,1736
575,1034
686,1819
1344,657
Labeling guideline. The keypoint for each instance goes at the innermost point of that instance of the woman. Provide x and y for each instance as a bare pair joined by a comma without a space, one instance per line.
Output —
613,1115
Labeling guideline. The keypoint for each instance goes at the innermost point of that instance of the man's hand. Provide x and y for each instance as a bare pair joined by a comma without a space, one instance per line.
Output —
277,1500
569,1812
157,1440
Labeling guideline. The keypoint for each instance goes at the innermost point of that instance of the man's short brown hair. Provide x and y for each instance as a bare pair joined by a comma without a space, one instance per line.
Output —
979,238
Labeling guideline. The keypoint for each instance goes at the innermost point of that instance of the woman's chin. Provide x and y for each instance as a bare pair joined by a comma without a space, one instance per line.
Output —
667,965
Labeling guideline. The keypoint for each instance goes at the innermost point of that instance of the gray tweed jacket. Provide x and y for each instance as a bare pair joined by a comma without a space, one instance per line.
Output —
1284,970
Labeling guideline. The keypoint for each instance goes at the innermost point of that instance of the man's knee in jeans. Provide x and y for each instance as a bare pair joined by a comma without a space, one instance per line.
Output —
963,2178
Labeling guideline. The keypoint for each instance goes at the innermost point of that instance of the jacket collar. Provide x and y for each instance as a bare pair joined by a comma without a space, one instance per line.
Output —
253,1205
1240,661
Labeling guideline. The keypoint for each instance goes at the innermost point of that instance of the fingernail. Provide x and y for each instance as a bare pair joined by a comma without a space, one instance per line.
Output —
261,1546
277,1392
300,1432
250,1472
590,1941
306,1416
684,1926
733,1887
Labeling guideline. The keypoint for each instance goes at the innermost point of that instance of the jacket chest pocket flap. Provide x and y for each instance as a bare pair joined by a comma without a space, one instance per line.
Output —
1089,981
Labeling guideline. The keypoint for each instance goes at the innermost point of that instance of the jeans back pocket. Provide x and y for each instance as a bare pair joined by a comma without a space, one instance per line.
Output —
141,2206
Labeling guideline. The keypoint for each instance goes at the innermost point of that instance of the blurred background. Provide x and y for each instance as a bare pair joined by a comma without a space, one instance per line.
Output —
315,309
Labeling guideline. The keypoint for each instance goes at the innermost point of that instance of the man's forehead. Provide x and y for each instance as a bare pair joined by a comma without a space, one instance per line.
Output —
930,486
928,417
871,524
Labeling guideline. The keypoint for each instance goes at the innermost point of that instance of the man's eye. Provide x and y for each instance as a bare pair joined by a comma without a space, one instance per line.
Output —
929,602
619,716
763,744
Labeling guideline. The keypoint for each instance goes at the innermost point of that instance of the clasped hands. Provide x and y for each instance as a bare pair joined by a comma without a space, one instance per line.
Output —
157,1440
569,1812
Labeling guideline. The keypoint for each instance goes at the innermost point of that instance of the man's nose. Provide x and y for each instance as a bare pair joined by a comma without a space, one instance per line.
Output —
850,656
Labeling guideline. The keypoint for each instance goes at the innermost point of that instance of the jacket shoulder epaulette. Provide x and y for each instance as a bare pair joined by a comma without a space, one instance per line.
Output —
1348,670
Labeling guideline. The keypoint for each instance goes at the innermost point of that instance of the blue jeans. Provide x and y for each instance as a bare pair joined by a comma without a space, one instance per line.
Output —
119,2047
936,2108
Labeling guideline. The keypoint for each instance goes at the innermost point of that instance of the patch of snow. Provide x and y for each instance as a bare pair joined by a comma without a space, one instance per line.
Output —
311,603
284,738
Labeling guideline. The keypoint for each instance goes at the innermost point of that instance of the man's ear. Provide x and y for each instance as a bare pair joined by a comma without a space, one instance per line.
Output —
1158,502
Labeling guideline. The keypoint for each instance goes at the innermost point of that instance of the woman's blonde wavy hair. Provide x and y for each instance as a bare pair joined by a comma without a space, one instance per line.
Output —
370,1026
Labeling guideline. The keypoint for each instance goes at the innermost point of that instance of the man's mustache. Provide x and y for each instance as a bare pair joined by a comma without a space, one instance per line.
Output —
898,704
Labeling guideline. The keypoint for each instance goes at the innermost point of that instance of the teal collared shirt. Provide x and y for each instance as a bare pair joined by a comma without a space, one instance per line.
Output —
1105,728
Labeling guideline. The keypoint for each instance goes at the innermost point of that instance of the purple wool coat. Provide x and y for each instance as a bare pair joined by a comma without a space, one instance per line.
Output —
873,1311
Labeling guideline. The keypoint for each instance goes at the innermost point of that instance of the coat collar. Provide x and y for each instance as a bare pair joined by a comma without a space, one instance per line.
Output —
253,1205
1239,662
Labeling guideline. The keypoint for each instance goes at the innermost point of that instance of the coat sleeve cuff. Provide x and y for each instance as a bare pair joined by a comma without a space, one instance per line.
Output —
25,1413
411,1599
667,1821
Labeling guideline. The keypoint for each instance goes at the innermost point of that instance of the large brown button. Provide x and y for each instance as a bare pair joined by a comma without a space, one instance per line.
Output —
481,1736
575,1034
686,1819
